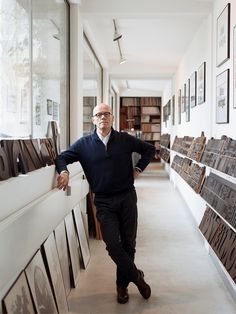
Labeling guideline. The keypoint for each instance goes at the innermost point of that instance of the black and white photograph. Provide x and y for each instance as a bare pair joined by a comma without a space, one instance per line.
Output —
234,67
82,236
62,249
183,99
222,97
55,111
187,101
49,107
39,285
173,110
223,36
18,299
73,248
179,106
201,84
55,273
193,89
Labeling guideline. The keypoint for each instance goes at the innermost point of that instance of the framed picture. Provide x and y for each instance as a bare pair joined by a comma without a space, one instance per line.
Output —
183,96
222,97
201,84
62,249
55,111
81,236
234,67
173,110
18,299
187,101
223,36
193,89
73,248
54,268
39,285
179,106
49,107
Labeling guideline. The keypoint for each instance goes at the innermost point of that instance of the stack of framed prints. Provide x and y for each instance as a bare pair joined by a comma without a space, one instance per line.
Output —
81,236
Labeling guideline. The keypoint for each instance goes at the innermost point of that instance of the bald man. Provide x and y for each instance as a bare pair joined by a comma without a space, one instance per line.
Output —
106,158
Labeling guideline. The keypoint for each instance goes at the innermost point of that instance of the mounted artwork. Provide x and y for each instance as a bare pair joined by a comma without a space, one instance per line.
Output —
222,36
201,84
222,97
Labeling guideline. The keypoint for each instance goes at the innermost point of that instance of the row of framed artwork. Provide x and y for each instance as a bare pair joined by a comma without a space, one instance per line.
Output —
192,93
45,283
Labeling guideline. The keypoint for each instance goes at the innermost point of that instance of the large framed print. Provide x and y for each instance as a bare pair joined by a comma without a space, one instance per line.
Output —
193,89
222,36
39,285
222,97
183,99
173,110
81,236
54,268
201,84
179,106
18,299
62,249
187,101
234,67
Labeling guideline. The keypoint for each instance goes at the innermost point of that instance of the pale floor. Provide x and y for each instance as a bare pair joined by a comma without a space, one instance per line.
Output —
172,255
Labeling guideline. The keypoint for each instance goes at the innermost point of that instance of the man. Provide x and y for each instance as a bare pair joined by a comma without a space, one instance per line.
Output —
106,158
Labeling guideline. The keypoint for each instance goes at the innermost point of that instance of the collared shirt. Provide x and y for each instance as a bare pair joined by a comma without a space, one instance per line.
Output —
104,139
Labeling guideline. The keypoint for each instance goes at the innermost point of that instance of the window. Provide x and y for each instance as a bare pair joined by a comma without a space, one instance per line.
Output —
34,65
92,85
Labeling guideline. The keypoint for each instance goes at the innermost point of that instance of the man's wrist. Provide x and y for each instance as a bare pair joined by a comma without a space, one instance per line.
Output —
137,169
64,171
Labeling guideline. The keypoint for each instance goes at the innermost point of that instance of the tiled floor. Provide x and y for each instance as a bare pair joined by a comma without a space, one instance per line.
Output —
170,251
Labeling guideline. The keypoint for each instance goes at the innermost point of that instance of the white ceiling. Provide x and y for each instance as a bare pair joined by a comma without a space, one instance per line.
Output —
155,35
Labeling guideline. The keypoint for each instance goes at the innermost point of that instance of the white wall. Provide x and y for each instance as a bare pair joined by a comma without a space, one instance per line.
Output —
202,117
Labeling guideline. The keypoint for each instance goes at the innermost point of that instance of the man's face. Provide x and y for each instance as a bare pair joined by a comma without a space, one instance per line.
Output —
102,117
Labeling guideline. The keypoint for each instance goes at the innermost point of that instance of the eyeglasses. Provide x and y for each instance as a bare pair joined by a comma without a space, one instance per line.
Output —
105,114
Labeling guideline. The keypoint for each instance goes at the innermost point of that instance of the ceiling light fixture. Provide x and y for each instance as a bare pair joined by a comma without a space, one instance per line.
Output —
117,35
117,38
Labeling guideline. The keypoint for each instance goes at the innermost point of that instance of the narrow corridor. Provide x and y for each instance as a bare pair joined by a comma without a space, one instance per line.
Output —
170,251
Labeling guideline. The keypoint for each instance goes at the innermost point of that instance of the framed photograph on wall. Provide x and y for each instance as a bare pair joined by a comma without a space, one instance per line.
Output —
187,101
223,36
49,107
193,89
179,106
173,110
222,97
234,67
183,99
201,84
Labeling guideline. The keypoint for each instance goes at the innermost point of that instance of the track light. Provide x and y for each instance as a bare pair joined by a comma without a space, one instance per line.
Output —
116,36
122,60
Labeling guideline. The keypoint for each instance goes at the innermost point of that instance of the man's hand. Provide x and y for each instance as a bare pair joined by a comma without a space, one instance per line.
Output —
136,173
63,180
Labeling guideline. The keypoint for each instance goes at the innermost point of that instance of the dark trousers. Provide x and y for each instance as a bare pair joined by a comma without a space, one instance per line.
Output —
117,215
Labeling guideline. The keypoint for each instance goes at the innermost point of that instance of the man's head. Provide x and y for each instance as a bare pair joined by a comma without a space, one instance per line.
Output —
103,118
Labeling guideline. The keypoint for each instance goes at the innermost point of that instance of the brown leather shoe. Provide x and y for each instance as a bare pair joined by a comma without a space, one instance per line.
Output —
143,287
122,295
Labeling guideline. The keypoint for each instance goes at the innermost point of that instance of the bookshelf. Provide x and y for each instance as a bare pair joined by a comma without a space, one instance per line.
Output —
142,114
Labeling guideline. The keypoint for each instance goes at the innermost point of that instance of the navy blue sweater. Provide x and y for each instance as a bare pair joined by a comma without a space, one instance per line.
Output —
109,170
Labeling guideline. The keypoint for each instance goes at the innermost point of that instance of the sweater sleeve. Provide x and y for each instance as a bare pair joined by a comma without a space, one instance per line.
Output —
146,150
67,157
